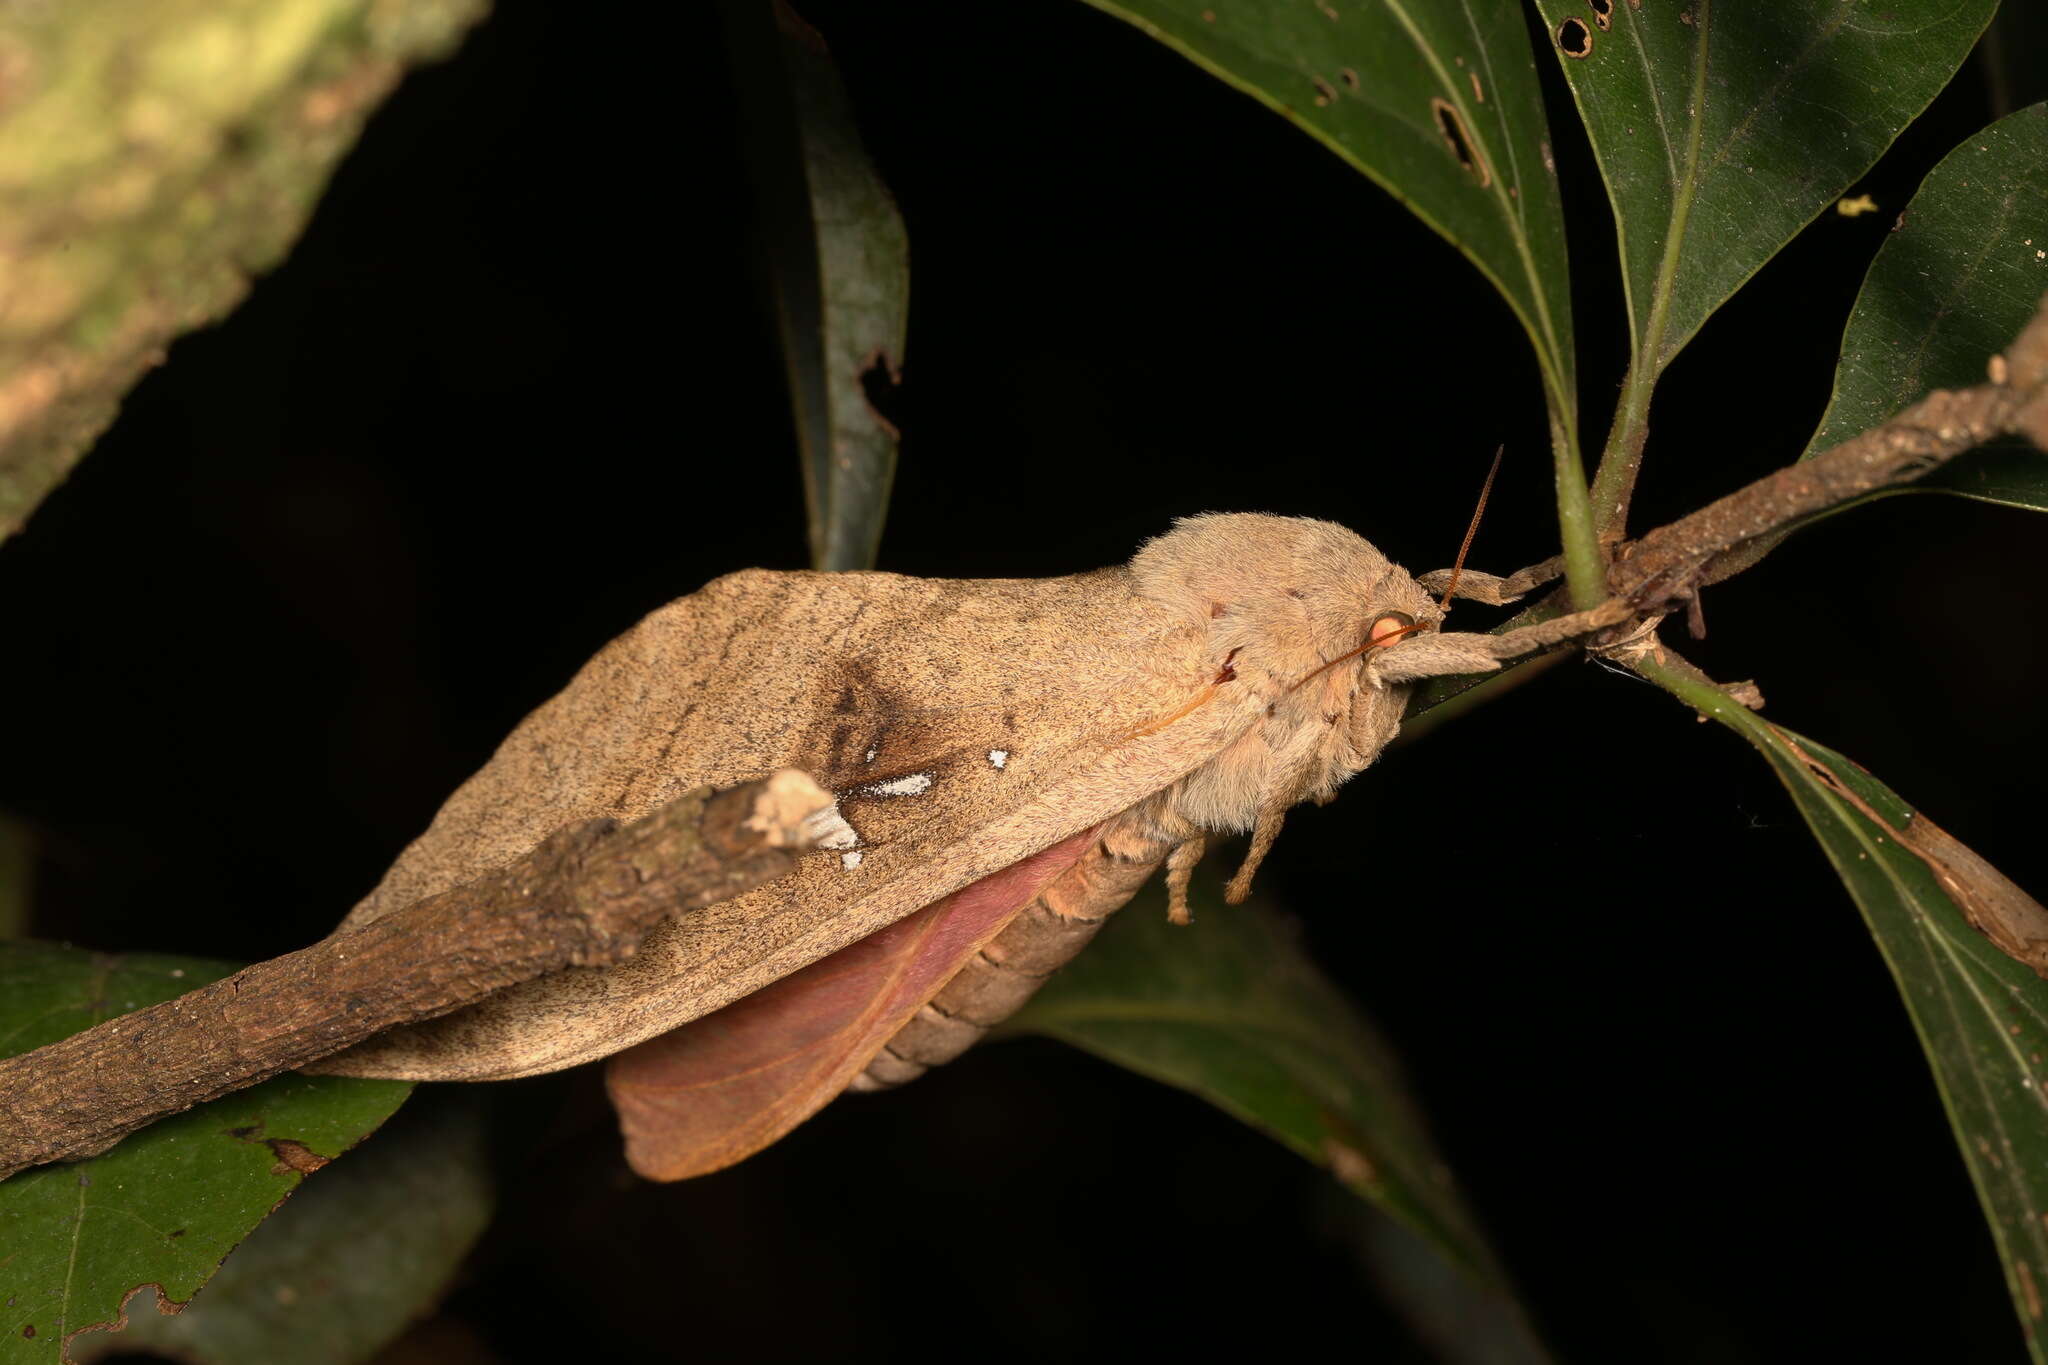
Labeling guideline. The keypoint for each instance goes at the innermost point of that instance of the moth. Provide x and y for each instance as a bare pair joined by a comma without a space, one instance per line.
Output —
1011,760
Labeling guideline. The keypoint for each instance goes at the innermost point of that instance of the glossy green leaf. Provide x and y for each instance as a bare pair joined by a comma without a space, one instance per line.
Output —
165,1205
1982,1016
1232,1010
840,261
1950,288
1436,100
1722,128
350,1261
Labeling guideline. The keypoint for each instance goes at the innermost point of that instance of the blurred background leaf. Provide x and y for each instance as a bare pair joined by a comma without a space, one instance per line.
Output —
838,260
1232,1010
152,158
166,1204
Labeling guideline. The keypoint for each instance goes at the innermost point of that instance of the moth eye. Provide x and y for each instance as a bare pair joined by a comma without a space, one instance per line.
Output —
1392,624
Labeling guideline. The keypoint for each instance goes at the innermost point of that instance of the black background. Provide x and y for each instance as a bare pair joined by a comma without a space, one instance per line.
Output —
518,386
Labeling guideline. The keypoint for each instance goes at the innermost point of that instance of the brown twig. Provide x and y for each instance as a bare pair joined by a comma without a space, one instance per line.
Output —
1667,565
589,894
586,897
1666,568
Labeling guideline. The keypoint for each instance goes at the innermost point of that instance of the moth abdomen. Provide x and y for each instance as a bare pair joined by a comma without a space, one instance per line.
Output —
1051,929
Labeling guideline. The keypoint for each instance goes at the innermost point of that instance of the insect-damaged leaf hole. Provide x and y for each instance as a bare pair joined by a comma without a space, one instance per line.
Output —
1603,13
881,381
1574,39
1452,126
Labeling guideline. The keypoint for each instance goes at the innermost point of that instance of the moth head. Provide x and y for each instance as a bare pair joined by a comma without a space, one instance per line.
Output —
1279,597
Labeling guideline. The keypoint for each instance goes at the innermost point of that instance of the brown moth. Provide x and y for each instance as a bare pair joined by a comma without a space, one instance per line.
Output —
1012,759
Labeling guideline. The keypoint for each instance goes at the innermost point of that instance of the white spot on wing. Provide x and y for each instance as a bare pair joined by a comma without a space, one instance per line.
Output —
870,758
916,784
828,829
850,860
998,757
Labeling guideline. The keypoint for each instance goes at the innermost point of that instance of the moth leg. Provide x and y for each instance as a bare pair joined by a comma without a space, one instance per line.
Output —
1265,829
1494,591
1180,870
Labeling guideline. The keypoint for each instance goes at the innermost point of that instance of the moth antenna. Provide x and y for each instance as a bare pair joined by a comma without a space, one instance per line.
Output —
1180,870
1264,831
1472,530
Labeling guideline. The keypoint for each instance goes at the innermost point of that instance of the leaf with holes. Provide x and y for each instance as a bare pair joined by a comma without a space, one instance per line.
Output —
841,264
406,1206
1721,129
164,1206
1935,909
1233,1011
1952,286
1436,100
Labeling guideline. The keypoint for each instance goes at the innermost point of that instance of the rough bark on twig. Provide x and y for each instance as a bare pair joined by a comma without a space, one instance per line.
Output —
586,897
1668,564
1666,567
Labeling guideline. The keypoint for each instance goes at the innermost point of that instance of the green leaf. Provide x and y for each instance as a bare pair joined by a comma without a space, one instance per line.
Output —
1436,100
1232,1010
165,1205
350,1261
1723,128
840,260
1950,288
1982,1016
154,158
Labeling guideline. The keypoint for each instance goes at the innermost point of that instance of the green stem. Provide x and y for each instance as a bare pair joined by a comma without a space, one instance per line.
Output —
1585,568
1615,481
1695,689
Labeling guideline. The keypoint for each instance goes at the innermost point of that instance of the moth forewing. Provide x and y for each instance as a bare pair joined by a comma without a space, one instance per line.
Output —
1236,667
933,679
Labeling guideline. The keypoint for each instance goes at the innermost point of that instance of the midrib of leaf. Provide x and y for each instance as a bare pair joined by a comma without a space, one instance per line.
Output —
1614,482
1986,1167
71,1265
102,969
